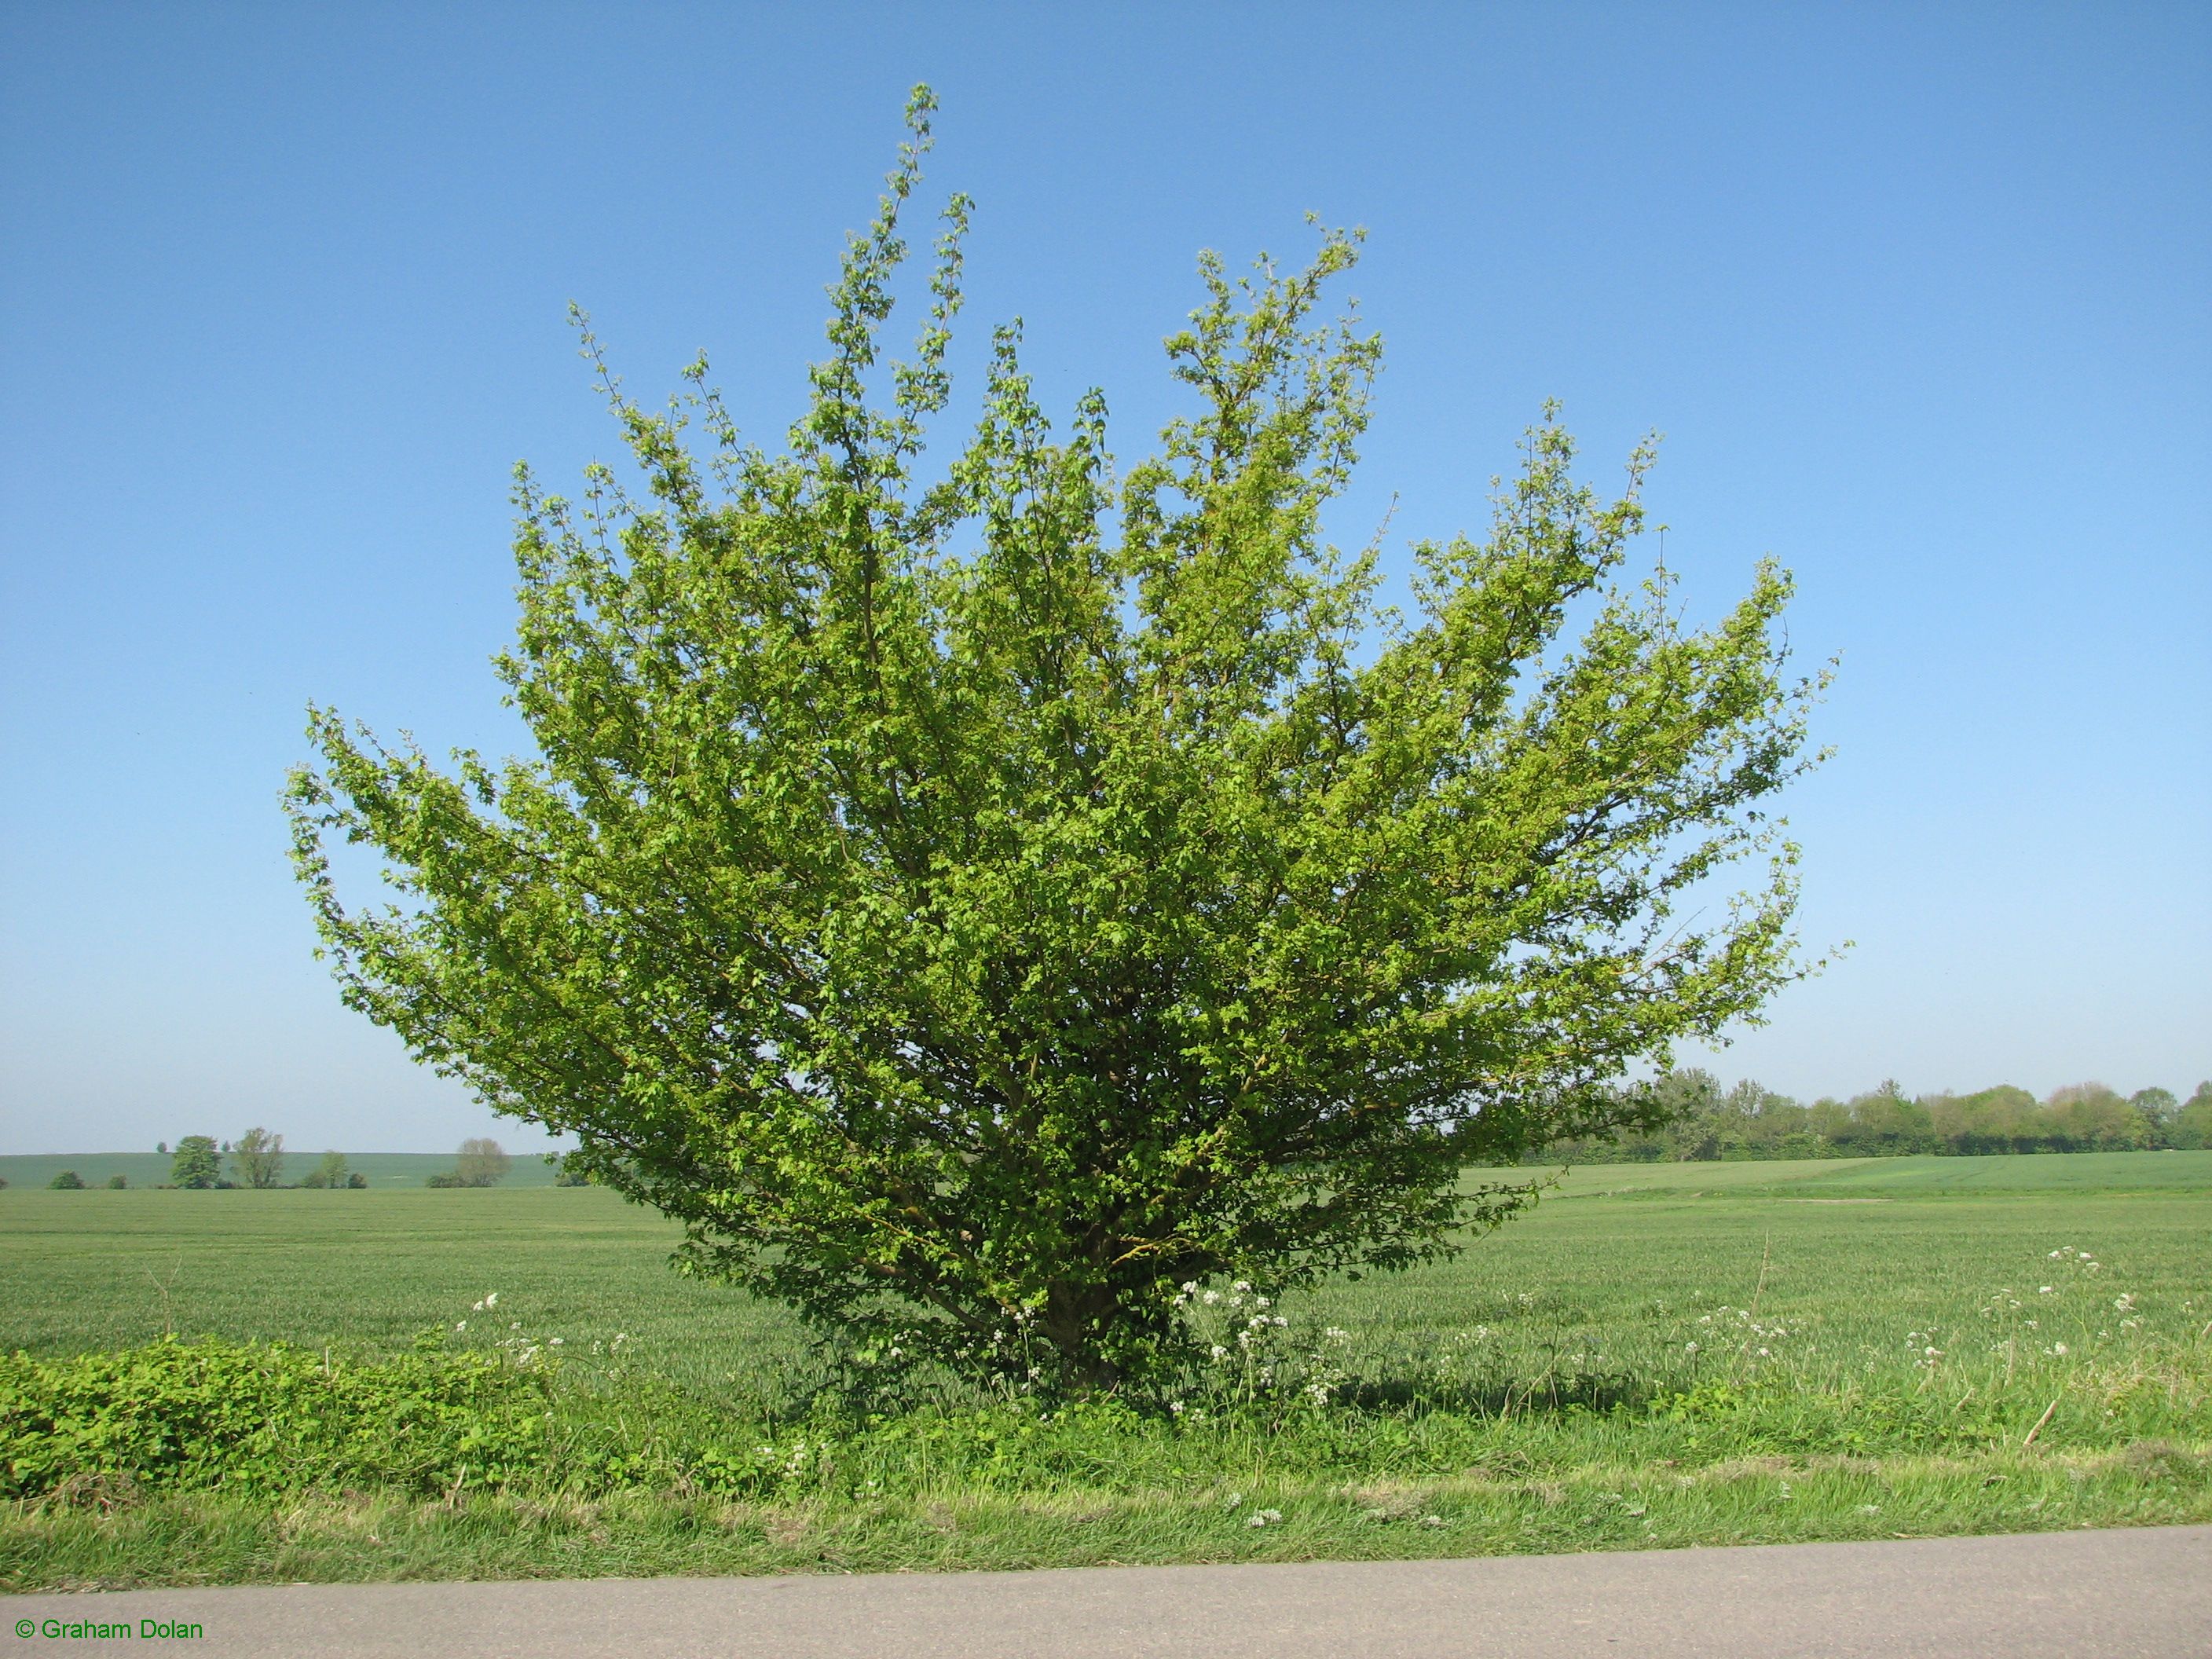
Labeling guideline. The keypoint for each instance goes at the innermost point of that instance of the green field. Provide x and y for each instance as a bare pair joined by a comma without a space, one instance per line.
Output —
1659,1354
382,1169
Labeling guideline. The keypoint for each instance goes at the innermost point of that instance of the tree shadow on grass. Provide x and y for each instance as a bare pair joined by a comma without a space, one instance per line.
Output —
1547,1392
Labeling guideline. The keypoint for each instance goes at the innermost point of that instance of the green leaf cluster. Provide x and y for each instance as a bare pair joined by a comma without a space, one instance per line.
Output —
980,896
265,1418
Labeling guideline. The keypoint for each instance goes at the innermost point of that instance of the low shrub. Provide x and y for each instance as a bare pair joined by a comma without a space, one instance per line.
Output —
266,1418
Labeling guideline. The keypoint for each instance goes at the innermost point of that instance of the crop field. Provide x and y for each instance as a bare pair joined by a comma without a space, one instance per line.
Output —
381,1169
1658,1354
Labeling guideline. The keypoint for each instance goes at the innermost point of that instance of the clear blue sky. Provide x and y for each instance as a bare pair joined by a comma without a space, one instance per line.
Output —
1918,294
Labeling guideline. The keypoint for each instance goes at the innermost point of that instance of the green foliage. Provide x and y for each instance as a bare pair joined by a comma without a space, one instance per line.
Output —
197,1164
356,1181
480,1163
257,1158
2155,1107
977,908
118,1182
2192,1124
331,1172
1700,1121
265,1418
67,1182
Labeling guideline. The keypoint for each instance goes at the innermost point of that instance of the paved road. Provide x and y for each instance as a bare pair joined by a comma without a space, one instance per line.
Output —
2144,1594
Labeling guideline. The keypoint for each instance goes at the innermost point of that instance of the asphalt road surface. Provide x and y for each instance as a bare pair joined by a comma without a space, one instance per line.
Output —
2050,1595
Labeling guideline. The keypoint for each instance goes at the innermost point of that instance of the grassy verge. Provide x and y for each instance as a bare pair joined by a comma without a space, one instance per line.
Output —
206,1538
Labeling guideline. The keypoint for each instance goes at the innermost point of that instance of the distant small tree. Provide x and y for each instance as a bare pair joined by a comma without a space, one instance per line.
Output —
2156,1109
1886,1122
162,1147
569,1171
1770,1125
2092,1117
2192,1124
117,1181
1690,1096
67,1182
482,1162
331,1172
356,1181
257,1158
197,1164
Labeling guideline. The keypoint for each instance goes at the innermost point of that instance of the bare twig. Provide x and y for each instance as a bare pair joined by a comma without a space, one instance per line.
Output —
1766,1256
2041,1420
1751,1314
169,1325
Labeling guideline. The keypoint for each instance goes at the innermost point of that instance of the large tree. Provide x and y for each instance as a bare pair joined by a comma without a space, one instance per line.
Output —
979,900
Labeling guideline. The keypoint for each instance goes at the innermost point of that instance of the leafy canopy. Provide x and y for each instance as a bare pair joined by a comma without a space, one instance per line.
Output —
197,1163
480,1163
258,1158
978,901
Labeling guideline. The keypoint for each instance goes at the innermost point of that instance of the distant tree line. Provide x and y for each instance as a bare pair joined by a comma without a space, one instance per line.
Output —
257,1159
1694,1118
